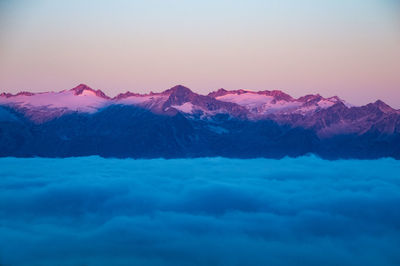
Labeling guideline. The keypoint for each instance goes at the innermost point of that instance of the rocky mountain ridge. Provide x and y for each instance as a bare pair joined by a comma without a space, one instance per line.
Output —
245,123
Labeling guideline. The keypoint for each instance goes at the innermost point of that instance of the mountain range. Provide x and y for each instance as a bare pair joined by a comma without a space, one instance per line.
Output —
179,123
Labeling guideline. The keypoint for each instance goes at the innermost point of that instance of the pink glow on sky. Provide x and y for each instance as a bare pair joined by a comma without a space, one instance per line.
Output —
345,48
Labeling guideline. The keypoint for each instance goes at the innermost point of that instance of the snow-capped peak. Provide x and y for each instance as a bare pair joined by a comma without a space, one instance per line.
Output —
275,101
84,90
47,105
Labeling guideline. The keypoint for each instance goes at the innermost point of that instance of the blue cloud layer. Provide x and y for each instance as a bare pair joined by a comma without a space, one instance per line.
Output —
94,211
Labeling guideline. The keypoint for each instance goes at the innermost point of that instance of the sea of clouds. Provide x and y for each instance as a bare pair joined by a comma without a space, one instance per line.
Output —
211,211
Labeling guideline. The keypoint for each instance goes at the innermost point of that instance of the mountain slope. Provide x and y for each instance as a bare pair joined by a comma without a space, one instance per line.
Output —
181,123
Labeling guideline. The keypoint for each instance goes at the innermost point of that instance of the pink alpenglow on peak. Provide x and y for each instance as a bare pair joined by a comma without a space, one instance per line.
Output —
44,106
276,101
83,89
239,103
78,99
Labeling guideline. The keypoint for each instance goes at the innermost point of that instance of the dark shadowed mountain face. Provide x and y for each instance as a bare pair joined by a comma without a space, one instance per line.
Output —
180,123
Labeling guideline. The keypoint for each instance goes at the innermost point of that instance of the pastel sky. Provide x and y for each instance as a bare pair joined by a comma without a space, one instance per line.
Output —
349,48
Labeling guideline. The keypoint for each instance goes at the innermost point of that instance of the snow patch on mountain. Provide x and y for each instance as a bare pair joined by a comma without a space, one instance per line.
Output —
267,102
185,108
249,99
87,101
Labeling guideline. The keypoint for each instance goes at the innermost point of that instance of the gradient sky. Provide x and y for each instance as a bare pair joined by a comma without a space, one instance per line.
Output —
349,48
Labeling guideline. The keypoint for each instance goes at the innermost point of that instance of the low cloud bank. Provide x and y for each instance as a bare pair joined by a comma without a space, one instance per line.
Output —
212,211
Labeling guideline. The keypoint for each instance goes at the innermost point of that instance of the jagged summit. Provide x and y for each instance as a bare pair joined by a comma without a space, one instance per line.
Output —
179,94
82,88
178,90
278,94
382,106
310,97
217,93
126,95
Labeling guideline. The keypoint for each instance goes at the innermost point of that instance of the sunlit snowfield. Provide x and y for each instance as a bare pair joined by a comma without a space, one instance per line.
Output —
95,211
